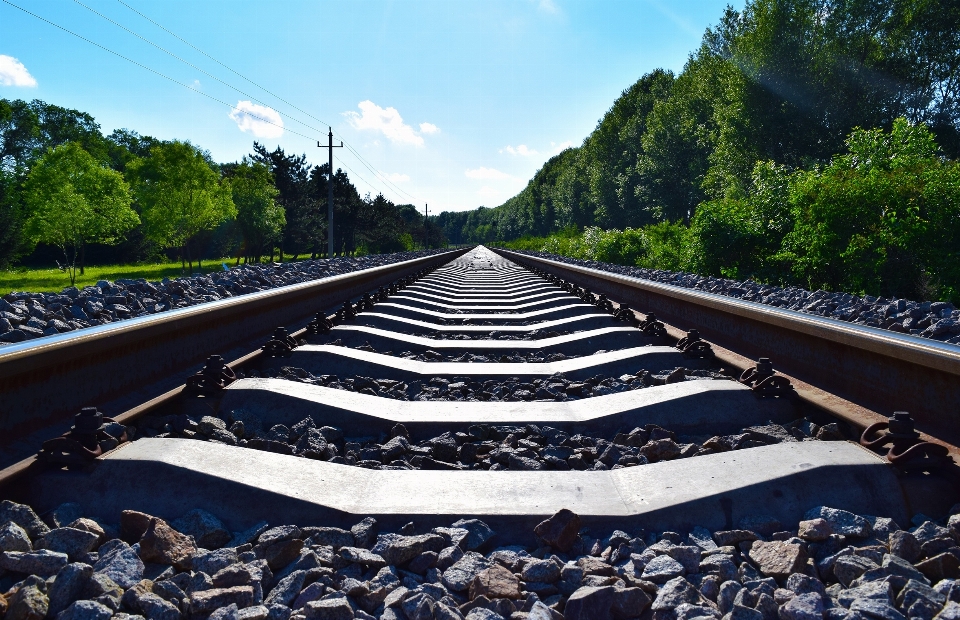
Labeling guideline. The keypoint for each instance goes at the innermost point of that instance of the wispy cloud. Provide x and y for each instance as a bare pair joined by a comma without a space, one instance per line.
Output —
396,177
522,150
547,6
679,21
556,148
486,174
388,122
13,73
260,120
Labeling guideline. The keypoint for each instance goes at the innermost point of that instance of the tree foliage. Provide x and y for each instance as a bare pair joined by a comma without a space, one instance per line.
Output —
72,200
259,217
180,194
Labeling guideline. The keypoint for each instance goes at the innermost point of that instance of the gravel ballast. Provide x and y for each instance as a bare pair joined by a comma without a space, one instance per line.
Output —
25,316
938,320
487,447
832,565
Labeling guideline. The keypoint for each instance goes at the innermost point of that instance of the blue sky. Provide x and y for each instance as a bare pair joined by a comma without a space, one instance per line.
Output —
454,103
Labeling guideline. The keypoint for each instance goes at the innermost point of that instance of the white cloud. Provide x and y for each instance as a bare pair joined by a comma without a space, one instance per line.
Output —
429,128
13,73
261,121
385,120
195,85
522,150
486,173
396,177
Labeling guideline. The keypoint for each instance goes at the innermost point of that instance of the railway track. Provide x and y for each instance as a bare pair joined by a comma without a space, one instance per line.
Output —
494,420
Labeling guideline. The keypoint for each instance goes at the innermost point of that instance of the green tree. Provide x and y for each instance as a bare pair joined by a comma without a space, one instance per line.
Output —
180,194
72,201
259,217
881,219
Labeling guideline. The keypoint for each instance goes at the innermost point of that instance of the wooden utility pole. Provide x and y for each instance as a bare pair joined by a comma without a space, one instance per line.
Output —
426,228
330,146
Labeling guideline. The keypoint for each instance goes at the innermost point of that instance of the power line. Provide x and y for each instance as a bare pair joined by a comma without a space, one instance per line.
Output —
376,172
211,97
154,71
188,63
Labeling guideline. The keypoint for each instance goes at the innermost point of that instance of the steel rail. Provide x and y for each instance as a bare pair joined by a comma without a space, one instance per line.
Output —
868,372
46,381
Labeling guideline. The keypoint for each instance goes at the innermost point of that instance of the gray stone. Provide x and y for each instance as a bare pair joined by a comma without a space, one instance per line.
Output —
482,613
798,583
873,608
28,603
230,612
630,602
313,592
357,555
399,549
876,590
701,537
205,601
68,540
739,612
841,521
459,576
155,608
44,563
951,611
904,545
330,536
418,606
120,563
728,594
478,533
662,569
14,538
676,592
365,532
719,564
24,516
686,611
207,530
213,562
329,609
286,591
257,612
688,556
894,565
546,571
86,610
803,607
68,585
590,604
249,535
849,567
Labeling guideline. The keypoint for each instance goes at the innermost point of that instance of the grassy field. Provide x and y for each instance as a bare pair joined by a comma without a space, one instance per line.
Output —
54,280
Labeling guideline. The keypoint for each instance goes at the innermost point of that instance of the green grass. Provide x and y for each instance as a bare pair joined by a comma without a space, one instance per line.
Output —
54,280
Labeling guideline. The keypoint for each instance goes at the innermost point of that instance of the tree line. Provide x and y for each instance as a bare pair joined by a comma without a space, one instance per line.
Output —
762,135
67,190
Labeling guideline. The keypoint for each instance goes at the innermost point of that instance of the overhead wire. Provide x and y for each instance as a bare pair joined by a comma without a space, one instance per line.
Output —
379,175
154,71
376,172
